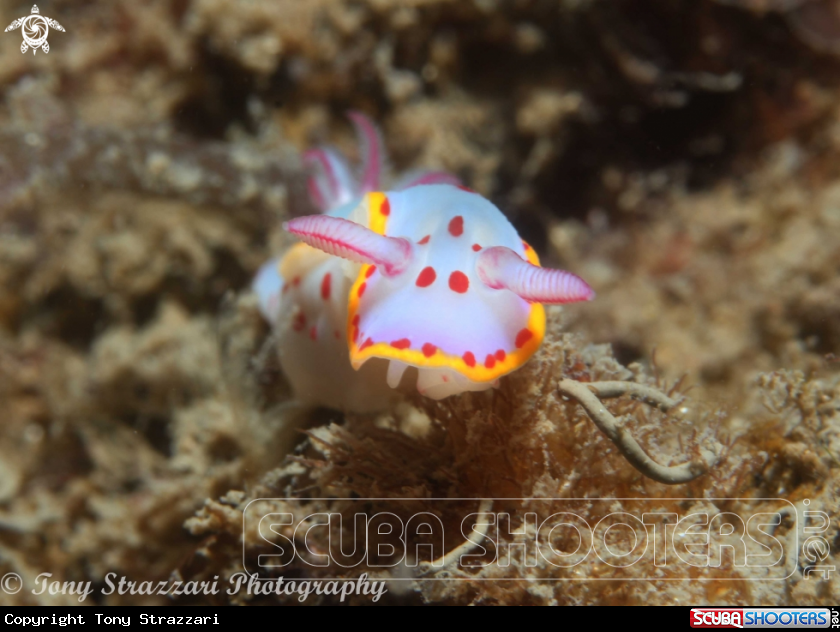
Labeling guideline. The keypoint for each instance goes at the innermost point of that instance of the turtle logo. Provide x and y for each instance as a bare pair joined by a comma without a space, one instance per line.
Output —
35,30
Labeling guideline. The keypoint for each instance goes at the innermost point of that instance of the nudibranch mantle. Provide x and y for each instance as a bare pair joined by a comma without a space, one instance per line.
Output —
437,314
432,276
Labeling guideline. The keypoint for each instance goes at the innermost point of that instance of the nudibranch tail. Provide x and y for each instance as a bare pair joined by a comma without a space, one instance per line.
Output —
499,267
373,151
268,285
352,241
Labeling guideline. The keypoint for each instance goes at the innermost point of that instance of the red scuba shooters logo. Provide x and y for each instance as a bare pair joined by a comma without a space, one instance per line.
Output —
717,618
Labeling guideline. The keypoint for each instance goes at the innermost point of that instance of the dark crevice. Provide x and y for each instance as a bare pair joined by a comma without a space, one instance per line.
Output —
219,99
156,430
65,314
626,353
224,449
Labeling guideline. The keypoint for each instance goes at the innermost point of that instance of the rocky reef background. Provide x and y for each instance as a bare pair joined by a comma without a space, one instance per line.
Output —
681,156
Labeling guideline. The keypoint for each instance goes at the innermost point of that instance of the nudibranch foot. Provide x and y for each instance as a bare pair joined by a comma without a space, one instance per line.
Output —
267,285
436,382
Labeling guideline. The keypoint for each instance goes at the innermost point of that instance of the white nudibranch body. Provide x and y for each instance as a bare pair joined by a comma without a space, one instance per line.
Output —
429,275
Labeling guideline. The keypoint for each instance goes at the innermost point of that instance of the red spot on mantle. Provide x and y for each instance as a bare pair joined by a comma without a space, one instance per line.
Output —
490,361
402,343
456,226
426,277
362,289
429,350
425,239
458,282
385,207
313,333
299,322
522,337
367,343
469,359
325,286
476,247
370,272
501,355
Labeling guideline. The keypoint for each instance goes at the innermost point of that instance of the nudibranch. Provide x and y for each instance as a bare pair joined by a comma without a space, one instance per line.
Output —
428,275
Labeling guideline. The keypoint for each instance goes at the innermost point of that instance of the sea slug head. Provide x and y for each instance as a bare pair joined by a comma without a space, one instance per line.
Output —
443,283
